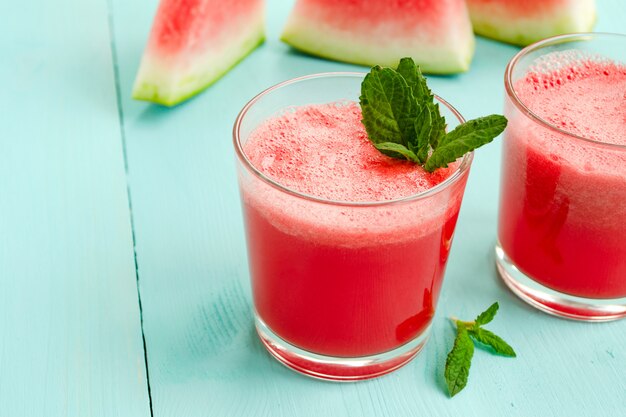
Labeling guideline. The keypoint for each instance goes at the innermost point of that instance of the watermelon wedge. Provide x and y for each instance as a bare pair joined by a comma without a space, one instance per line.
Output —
522,22
437,34
193,43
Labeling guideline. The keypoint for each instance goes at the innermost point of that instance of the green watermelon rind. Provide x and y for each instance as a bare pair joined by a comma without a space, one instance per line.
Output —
146,91
527,31
311,49
445,55
161,83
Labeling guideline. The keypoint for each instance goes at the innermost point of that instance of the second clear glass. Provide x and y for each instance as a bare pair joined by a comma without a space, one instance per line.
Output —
562,215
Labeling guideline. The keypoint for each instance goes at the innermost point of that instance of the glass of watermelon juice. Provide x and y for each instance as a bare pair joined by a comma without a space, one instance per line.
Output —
562,216
347,247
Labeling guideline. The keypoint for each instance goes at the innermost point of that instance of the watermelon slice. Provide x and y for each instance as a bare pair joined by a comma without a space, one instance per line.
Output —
195,42
437,34
522,22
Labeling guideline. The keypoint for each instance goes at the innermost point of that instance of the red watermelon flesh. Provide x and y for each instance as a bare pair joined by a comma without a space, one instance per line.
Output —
193,43
522,22
437,34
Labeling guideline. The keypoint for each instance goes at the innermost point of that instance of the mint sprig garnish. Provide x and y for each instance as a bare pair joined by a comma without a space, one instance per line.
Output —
403,121
459,361
460,357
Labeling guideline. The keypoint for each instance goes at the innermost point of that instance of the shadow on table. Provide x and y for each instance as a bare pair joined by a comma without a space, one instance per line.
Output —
217,342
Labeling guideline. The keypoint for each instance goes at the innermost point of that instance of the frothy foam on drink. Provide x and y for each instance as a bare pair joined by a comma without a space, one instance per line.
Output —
579,94
323,151
584,96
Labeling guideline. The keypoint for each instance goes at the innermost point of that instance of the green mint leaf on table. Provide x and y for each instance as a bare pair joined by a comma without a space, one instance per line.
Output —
399,108
487,315
459,361
488,338
460,357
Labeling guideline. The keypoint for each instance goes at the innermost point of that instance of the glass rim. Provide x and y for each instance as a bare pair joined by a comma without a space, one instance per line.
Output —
553,40
241,155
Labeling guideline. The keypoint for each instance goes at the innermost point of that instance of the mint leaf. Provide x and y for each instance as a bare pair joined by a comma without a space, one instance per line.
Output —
392,149
388,107
459,358
425,99
465,138
459,361
415,80
487,315
488,338
423,129
398,107
480,129
439,126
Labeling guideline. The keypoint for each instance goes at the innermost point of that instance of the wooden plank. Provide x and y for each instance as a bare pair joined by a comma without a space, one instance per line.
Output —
203,355
70,334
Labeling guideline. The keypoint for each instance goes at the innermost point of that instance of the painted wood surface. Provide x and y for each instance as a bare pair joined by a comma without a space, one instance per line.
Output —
70,335
203,356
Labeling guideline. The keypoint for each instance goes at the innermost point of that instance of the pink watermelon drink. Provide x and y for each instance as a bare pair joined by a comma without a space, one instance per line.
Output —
347,246
563,197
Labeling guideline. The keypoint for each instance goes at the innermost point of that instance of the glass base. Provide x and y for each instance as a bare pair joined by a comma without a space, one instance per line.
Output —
338,368
554,302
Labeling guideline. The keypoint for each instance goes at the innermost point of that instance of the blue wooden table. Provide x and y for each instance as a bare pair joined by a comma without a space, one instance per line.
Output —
123,277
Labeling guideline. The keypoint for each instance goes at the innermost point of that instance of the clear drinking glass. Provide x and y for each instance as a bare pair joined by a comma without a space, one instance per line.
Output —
562,218
342,290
